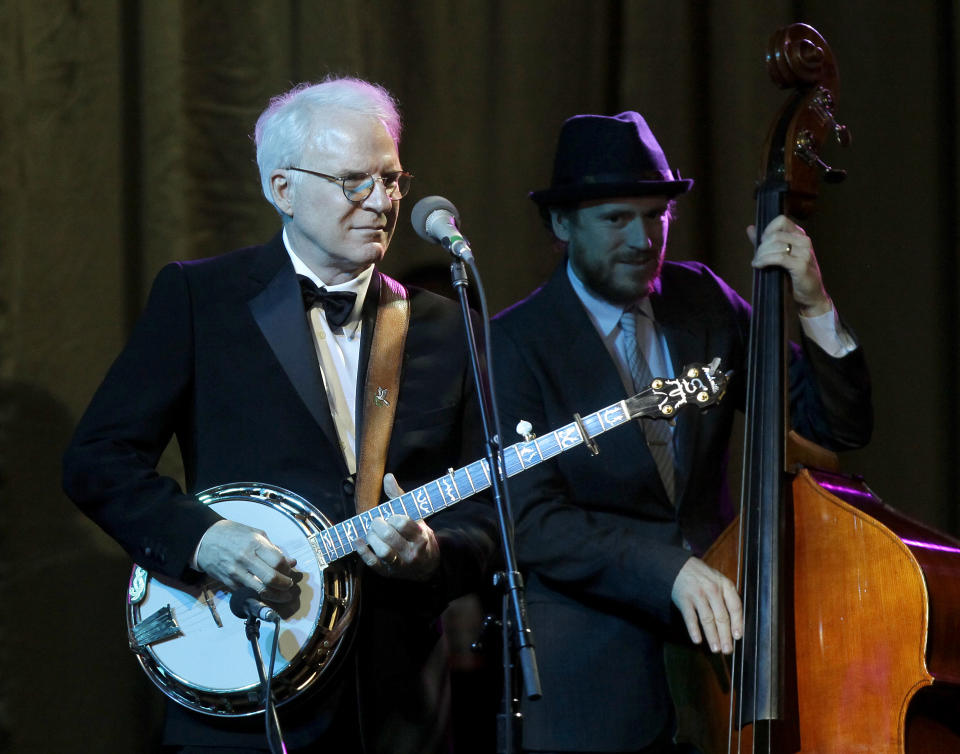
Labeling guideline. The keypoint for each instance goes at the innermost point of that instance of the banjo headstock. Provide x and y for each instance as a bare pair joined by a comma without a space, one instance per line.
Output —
698,385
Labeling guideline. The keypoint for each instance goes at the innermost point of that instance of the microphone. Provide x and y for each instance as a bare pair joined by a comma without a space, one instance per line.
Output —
244,604
435,220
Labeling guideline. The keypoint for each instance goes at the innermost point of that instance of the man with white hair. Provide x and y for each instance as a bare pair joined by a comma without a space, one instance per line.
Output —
258,361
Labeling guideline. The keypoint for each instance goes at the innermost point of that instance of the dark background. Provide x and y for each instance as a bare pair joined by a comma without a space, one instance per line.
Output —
124,144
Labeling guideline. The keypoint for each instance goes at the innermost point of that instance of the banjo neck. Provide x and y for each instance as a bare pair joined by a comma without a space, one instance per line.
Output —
699,386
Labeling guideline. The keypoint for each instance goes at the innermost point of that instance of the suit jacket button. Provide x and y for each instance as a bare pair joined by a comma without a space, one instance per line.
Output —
348,487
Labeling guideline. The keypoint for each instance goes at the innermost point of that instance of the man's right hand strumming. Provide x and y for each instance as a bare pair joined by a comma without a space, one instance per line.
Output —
240,556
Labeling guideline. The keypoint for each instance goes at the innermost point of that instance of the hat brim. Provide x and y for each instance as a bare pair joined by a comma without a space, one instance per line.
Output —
585,191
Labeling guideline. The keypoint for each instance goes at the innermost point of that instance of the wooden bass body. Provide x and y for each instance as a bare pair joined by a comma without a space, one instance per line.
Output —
873,632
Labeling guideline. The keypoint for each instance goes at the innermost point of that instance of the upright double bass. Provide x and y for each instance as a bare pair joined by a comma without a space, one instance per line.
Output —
851,609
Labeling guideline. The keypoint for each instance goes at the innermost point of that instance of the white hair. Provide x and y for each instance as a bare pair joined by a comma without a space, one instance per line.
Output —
283,129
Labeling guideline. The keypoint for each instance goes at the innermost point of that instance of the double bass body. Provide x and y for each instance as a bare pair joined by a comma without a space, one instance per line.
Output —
872,642
851,609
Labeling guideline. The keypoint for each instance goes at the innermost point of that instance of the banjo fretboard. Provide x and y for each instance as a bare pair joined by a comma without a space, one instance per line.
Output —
699,386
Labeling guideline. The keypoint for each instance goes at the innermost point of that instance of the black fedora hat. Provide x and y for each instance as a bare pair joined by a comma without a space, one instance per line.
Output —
600,156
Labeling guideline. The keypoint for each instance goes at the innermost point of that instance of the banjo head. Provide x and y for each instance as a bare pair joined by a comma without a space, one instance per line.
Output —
196,650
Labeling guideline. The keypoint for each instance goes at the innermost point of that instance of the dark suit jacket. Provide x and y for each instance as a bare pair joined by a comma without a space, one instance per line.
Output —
597,537
223,359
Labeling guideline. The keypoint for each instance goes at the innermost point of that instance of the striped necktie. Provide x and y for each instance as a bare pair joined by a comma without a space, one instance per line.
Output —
657,432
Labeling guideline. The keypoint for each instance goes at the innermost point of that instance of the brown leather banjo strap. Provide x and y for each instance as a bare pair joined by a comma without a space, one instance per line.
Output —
381,390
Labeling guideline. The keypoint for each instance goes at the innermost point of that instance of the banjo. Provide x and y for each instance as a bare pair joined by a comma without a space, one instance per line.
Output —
195,649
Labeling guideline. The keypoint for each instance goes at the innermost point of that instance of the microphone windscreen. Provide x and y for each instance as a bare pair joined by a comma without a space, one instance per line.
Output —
238,601
423,209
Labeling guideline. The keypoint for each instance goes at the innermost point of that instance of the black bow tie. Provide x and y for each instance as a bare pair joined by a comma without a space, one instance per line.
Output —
337,305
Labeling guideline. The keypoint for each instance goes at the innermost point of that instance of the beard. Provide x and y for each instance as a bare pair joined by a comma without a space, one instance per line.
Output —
620,280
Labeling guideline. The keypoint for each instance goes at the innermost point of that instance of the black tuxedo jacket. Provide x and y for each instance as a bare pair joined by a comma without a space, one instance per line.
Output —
597,537
223,359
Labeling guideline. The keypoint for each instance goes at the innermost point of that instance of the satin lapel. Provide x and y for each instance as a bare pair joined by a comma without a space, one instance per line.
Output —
277,307
687,346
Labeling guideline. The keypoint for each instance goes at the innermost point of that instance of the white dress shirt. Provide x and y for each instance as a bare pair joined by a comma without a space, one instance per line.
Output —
338,353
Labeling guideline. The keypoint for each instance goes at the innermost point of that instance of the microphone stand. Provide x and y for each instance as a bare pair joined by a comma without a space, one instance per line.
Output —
274,734
517,637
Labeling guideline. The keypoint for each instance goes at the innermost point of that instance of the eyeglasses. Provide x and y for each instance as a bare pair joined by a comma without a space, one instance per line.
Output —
357,187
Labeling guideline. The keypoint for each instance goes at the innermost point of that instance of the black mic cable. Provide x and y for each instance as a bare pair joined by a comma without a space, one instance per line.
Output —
245,605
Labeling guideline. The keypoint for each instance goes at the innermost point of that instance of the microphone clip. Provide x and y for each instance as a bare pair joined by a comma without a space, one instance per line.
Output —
458,246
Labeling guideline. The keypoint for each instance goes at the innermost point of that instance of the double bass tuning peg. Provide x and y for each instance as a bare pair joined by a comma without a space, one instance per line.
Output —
842,134
805,149
822,104
833,175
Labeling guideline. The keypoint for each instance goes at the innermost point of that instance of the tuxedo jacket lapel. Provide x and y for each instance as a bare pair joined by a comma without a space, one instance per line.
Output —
277,307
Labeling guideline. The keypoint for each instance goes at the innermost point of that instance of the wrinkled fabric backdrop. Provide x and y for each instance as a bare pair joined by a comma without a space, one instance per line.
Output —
125,143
